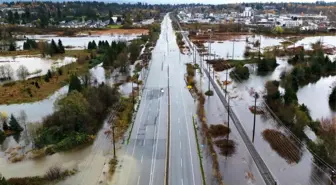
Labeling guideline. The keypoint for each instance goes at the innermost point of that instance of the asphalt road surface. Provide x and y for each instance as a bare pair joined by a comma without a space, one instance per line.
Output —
143,161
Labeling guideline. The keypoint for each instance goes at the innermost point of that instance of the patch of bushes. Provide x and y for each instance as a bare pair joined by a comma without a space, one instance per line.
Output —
54,174
266,65
112,166
240,73
219,130
226,146
209,93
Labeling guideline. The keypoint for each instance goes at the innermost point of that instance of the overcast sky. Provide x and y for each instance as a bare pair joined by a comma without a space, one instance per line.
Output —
185,1
220,1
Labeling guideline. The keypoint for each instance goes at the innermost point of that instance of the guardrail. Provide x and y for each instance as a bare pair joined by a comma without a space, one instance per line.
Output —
263,169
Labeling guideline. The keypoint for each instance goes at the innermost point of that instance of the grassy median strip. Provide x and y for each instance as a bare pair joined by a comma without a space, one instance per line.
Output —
199,152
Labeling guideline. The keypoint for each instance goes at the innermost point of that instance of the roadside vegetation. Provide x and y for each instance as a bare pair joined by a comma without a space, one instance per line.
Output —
53,175
191,83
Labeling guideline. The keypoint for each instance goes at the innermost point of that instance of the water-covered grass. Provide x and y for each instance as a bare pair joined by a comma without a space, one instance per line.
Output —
39,88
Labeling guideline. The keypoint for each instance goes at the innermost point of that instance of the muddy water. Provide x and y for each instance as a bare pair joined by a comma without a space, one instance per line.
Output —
80,42
34,63
89,160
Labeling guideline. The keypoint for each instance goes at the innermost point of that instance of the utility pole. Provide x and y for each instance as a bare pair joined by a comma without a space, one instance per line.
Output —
259,47
194,54
209,76
132,96
233,49
256,96
226,81
228,111
114,149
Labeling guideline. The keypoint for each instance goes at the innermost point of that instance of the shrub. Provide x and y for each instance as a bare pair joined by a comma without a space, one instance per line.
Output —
209,93
54,173
219,130
240,73
226,146
112,165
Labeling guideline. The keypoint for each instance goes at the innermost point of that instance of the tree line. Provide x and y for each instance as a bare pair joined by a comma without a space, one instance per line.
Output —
46,14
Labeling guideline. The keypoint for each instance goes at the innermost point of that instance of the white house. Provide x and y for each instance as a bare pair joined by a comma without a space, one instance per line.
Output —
248,12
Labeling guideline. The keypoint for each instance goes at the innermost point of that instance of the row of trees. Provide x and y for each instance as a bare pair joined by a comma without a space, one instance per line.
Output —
51,13
30,44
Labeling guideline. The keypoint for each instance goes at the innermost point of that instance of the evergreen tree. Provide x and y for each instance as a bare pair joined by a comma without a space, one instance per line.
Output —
118,19
5,126
26,46
12,47
3,181
10,17
16,17
2,138
89,45
49,73
111,21
60,46
94,45
53,47
14,124
75,84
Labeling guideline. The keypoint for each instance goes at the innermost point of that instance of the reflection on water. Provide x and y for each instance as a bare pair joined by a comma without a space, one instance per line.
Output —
242,99
306,42
34,64
237,46
316,97
36,110
79,42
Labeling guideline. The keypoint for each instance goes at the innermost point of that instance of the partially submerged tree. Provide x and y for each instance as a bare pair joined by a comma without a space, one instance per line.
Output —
14,124
22,72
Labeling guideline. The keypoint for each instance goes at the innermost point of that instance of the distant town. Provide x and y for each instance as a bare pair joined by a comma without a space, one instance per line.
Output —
268,17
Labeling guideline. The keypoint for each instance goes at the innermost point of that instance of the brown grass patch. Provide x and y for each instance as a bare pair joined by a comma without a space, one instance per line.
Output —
226,146
119,31
282,145
219,64
257,110
19,92
219,130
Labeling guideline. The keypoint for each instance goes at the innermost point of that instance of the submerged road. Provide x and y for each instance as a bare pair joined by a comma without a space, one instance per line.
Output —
143,161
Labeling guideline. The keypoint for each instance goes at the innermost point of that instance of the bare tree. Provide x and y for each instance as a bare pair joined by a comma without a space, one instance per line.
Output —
23,118
2,72
22,72
9,72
